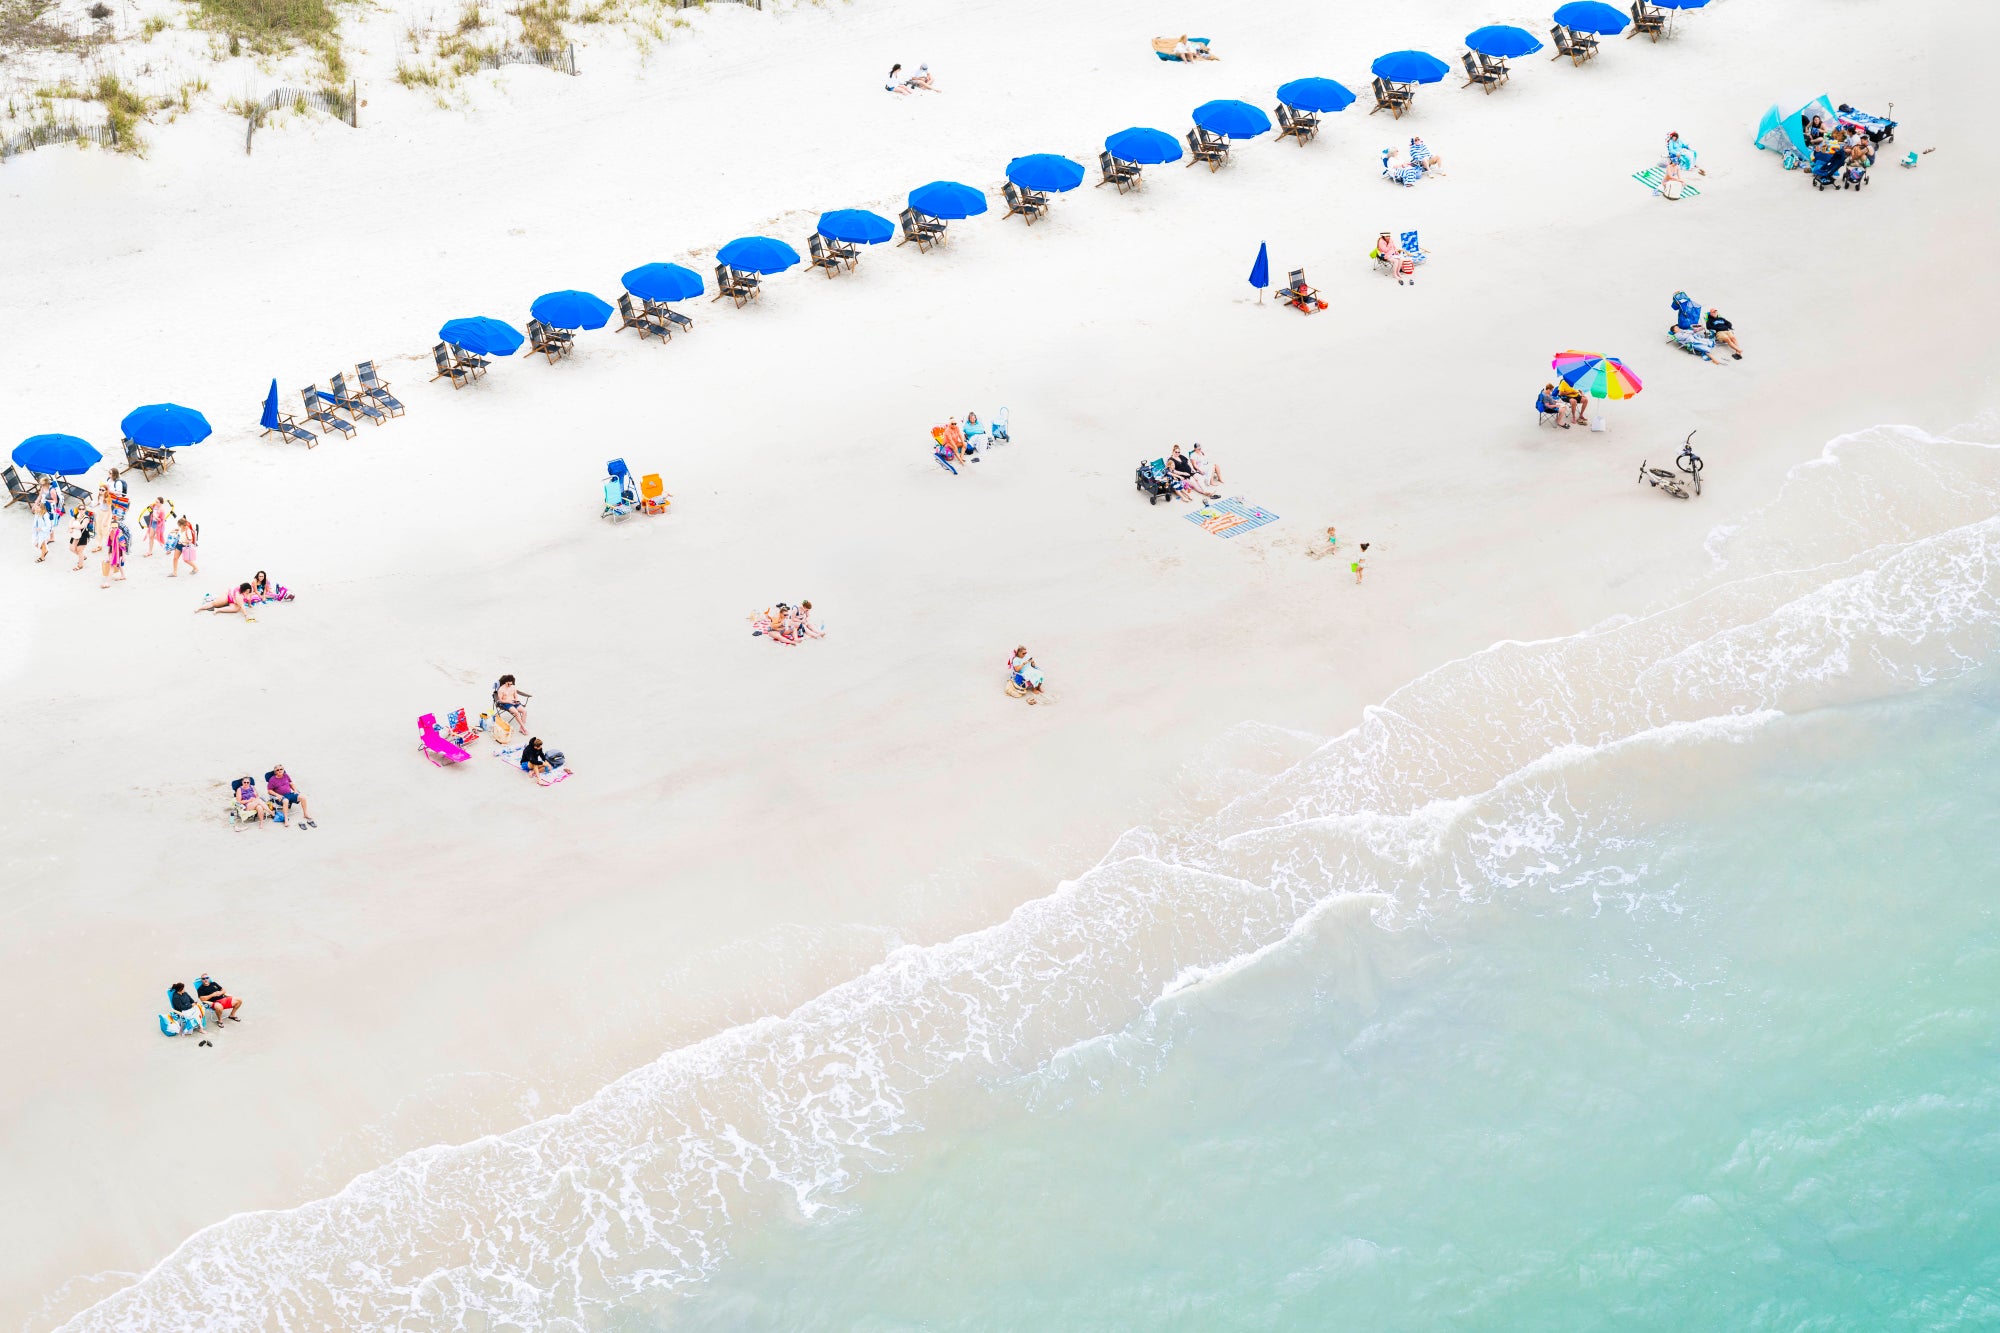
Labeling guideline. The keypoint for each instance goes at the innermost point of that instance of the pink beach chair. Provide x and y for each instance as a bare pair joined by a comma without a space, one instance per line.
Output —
435,747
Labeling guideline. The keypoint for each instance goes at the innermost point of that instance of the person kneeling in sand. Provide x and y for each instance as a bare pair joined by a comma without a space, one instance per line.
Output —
535,760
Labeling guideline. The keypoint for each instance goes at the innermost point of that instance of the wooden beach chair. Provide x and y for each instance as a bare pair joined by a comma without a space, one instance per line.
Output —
449,369
150,462
18,491
1496,66
669,318
318,412
1391,97
816,252
1301,127
1206,147
740,287
1026,203
842,251
926,232
628,316
542,339
1646,19
1298,295
289,429
1475,72
377,389
1568,45
353,403
1124,175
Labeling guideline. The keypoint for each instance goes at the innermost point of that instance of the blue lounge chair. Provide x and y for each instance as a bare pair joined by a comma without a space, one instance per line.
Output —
354,404
375,389
319,412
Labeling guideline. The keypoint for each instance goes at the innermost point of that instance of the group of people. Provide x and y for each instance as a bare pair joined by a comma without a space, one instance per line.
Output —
189,1012
1191,474
260,589
280,799
904,87
785,623
1565,402
955,443
1699,331
102,526
1407,168
1842,147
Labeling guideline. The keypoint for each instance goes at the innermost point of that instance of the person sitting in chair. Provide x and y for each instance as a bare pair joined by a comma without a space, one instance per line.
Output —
1026,676
507,700
1422,158
1550,403
1574,401
278,790
217,1001
248,804
1207,471
1181,471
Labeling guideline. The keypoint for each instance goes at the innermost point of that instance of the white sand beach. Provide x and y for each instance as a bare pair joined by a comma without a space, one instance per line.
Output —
455,952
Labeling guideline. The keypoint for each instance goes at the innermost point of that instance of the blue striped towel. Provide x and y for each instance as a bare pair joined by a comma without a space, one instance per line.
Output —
1226,518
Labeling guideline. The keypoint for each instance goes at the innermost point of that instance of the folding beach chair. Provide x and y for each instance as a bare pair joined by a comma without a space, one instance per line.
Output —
816,252
354,404
1206,147
319,412
1475,72
1391,97
377,389
1022,202
435,747
150,462
1298,295
669,318
1568,45
628,316
730,283
1646,19
449,369
541,340
653,494
18,491
1124,175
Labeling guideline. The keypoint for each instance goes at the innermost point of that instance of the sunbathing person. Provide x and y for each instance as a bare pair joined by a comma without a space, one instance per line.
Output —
1208,472
1180,469
217,1001
1723,332
236,600
248,803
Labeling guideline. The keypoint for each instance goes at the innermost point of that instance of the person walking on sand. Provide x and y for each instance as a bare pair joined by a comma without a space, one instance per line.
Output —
114,555
154,518
81,523
1360,563
112,501
182,545
48,508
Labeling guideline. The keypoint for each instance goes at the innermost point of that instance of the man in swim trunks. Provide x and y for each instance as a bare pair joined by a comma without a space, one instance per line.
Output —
278,790
218,1001
507,697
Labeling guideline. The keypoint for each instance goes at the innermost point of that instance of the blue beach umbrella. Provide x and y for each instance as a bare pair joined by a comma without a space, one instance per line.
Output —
571,310
270,417
1315,95
56,455
663,282
165,426
1504,42
1046,172
1146,147
856,226
1593,16
482,336
1231,119
1679,4
1409,67
947,199
1260,271
758,254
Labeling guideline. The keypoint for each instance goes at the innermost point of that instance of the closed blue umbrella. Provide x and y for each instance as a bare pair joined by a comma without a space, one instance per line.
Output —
758,254
270,418
663,282
1503,41
56,455
1315,95
165,426
482,336
1046,172
1591,16
1409,67
1260,271
1231,119
1146,147
947,199
571,310
856,226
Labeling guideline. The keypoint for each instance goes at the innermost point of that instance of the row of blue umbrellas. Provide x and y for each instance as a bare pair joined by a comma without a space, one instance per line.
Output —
155,426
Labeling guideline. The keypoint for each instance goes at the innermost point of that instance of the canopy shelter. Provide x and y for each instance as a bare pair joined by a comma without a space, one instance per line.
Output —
1783,131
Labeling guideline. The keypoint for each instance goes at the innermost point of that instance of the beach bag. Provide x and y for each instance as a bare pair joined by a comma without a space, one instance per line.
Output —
178,1025
553,758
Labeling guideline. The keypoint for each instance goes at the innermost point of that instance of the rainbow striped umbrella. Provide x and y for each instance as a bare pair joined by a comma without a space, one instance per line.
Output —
1599,376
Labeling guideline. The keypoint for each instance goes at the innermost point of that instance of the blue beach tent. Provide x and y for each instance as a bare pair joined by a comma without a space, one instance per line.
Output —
1782,133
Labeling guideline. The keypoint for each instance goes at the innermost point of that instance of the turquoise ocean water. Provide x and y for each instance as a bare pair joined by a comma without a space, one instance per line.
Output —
1642,978
1733,1067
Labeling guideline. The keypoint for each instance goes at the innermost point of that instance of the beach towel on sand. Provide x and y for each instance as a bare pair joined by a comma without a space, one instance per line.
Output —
1226,518
1653,177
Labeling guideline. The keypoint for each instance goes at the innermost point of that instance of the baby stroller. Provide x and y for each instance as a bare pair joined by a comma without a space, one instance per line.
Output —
1854,175
1152,481
1826,170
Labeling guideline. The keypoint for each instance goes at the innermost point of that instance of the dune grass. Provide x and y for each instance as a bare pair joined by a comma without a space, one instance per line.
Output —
271,24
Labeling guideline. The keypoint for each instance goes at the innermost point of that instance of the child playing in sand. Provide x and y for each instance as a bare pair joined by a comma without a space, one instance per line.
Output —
1316,551
1360,562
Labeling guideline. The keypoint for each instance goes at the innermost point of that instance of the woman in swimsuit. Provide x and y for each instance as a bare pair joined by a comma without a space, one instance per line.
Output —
185,537
114,555
154,521
1182,468
80,526
237,601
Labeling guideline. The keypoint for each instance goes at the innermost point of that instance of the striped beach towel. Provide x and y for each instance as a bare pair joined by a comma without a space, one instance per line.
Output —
1226,518
1652,177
